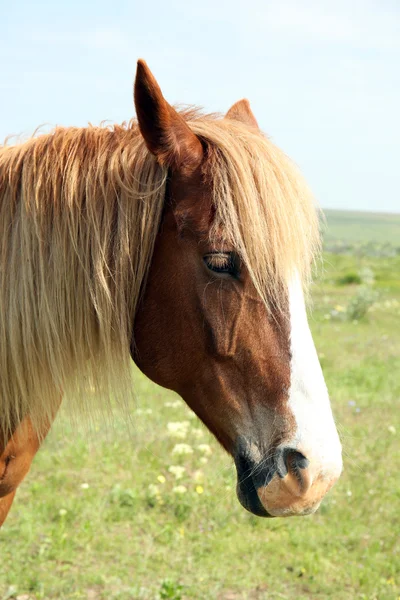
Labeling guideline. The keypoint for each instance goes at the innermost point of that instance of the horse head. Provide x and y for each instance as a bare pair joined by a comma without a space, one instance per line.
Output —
222,319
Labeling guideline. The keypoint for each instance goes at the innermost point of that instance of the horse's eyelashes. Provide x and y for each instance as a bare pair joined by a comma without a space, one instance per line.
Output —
218,261
222,262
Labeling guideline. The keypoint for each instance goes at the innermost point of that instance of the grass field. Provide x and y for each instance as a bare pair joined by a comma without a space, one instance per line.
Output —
352,226
104,516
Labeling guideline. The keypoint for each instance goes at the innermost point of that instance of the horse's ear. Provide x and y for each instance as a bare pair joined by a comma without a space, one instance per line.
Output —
165,132
242,112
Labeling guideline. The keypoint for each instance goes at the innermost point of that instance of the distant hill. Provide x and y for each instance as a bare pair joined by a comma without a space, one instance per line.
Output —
352,226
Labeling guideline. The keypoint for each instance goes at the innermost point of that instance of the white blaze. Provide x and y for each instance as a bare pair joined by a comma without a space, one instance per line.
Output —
316,435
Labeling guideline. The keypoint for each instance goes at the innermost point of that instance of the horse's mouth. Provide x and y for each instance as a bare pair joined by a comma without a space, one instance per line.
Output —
245,488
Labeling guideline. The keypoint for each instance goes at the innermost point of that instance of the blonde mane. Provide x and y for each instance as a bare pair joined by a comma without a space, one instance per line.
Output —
80,209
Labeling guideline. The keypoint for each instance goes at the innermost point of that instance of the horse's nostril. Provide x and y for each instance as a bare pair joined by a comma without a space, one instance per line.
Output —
289,460
295,460
294,464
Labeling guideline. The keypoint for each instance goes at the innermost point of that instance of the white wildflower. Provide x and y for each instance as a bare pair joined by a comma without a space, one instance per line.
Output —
178,429
180,449
144,411
198,476
153,490
179,489
174,404
177,470
197,433
205,449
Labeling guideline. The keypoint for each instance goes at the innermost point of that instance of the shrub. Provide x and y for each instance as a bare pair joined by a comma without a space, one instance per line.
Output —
367,276
349,279
360,304
170,590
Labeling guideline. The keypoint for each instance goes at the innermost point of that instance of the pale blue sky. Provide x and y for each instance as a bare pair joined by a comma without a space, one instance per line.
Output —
323,77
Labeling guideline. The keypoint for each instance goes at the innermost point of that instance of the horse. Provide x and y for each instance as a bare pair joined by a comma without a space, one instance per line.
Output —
184,241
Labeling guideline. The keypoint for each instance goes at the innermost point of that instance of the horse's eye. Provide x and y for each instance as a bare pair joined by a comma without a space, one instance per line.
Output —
222,262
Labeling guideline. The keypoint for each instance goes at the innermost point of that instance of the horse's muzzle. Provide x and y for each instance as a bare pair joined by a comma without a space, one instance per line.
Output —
285,483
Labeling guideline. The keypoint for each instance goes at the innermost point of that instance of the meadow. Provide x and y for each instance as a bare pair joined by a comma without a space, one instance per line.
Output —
152,514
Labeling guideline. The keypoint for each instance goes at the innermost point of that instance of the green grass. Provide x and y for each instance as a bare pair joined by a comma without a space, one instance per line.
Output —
353,226
98,516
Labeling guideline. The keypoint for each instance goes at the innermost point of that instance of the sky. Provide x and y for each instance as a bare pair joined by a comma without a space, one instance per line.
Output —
323,78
